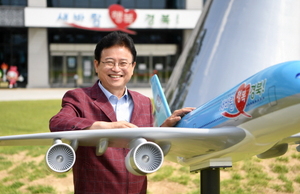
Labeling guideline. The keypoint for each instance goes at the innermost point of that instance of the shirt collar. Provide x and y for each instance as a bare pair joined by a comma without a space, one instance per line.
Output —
109,95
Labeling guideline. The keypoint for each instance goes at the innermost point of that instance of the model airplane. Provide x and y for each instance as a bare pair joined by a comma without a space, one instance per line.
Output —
259,116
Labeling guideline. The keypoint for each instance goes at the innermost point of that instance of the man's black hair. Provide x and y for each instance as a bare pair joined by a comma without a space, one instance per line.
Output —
112,39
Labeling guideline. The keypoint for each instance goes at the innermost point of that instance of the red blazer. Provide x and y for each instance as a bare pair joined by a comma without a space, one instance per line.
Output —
107,173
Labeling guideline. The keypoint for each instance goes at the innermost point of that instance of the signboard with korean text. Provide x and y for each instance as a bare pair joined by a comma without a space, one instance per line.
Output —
114,18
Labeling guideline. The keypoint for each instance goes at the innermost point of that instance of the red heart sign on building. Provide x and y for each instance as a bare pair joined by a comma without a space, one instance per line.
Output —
121,17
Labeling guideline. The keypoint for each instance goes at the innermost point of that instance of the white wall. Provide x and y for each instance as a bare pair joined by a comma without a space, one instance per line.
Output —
194,4
191,4
38,59
37,3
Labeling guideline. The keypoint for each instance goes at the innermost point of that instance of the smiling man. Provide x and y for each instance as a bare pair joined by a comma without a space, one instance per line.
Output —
107,105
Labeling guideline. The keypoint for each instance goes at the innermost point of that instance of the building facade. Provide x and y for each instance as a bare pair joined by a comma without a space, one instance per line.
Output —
51,42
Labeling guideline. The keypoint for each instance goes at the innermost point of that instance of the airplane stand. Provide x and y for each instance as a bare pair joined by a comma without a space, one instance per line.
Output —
210,181
210,174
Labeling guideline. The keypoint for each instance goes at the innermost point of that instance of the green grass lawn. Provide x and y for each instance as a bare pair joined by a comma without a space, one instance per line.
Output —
25,117
19,117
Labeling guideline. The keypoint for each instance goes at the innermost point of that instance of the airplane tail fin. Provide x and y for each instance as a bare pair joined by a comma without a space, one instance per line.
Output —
162,109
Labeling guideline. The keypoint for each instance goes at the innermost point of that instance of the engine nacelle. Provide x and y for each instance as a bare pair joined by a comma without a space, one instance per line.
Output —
144,158
275,151
60,157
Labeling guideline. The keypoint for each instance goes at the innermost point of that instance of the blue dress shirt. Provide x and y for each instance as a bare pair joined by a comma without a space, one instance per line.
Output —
123,107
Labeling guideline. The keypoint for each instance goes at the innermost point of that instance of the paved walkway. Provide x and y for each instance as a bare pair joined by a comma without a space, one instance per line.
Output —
47,93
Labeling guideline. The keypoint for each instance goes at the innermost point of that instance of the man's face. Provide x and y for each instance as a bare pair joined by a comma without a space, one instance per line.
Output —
115,68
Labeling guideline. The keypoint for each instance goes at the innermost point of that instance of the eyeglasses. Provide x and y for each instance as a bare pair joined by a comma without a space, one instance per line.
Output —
111,64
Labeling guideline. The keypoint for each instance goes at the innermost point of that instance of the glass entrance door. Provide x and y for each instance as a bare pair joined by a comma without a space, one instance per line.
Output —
56,70
147,66
88,72
71,70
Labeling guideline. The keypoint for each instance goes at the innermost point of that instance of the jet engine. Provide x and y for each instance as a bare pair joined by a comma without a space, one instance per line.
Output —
60,157
275,151
144,157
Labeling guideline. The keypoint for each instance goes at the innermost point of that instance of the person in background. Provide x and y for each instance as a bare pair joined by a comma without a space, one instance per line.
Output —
108,104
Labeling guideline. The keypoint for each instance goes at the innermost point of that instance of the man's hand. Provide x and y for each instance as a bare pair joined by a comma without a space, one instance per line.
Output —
176,116
111,125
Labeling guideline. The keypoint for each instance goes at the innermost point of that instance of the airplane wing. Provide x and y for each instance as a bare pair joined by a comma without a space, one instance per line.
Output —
184,142
176,143
294,139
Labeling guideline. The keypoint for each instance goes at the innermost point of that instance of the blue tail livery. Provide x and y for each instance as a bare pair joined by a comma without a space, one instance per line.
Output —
162,110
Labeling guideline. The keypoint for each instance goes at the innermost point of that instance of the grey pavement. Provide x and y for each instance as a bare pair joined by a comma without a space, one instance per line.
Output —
47,93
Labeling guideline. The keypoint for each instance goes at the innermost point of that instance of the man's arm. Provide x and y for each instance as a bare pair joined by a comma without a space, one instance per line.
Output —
70,117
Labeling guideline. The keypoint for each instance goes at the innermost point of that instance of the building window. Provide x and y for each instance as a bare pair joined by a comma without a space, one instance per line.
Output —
130,4
70,35
13,2
13,50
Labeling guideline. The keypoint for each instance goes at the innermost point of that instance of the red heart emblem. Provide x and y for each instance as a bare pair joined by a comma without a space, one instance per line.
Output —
121,17
241,98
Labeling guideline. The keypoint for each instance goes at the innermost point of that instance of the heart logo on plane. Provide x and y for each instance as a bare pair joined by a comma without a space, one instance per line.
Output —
240,99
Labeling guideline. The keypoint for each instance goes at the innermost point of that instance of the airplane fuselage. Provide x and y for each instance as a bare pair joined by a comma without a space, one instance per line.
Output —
266,106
